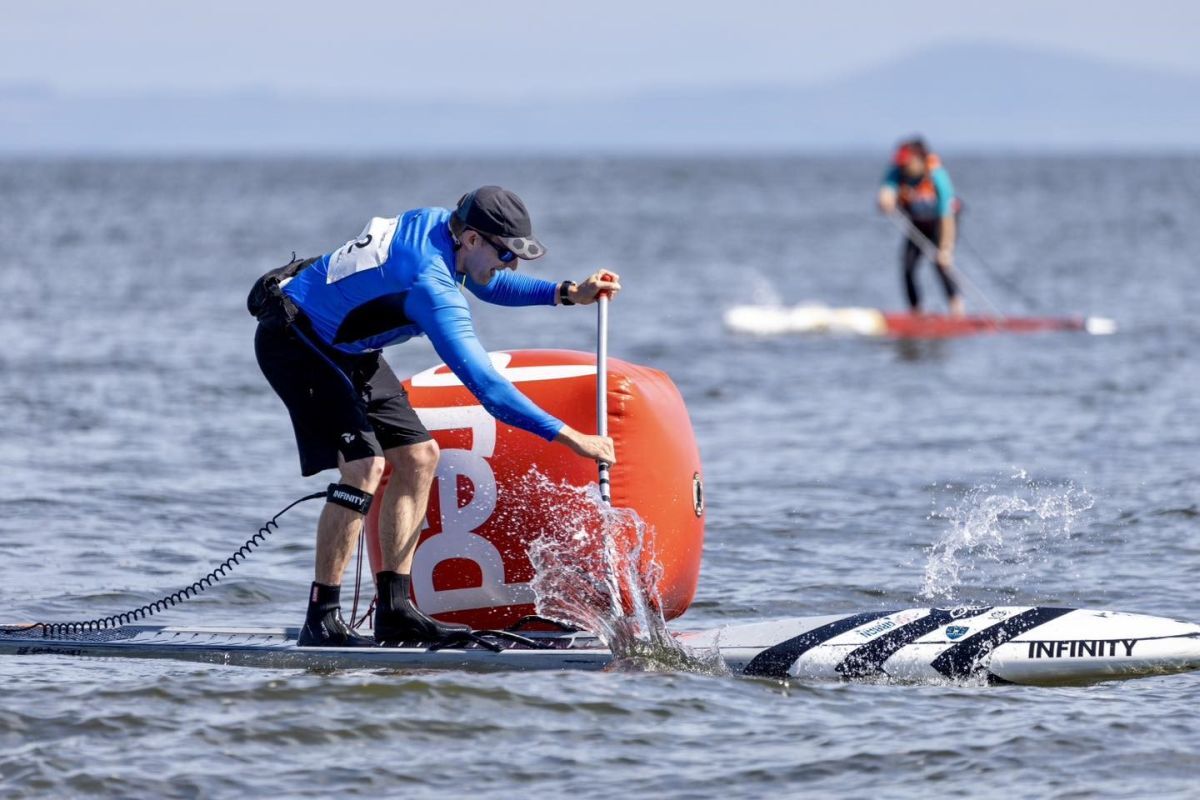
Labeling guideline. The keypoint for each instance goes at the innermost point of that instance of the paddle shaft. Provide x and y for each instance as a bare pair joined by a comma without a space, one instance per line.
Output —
1031,303
927,247
602,387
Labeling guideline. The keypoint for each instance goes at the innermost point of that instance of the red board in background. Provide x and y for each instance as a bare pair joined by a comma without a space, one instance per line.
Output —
941,326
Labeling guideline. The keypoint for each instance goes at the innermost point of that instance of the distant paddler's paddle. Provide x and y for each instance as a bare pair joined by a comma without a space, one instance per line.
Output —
906,226
602,385
995,276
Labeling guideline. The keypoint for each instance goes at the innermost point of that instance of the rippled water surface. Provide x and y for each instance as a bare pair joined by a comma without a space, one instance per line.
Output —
139,445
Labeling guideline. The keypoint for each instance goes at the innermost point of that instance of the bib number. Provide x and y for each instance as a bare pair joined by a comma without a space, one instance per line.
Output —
367,251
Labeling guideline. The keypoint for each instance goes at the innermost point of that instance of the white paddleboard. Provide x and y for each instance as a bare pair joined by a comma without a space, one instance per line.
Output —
1024,645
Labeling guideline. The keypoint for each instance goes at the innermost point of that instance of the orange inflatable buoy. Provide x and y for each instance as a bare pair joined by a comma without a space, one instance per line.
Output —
488,502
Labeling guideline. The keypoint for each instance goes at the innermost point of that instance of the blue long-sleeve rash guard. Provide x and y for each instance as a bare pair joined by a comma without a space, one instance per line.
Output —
395,282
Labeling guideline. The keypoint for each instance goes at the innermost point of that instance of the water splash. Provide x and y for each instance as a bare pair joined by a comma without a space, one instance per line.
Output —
1000,534
763,290
596,569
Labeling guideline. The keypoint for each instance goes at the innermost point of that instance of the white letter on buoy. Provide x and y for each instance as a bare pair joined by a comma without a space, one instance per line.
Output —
457,539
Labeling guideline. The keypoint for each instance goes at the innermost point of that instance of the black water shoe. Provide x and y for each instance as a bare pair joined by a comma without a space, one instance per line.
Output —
398,620
323,624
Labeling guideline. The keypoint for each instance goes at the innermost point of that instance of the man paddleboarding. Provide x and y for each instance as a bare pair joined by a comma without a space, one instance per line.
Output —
918,186
322,325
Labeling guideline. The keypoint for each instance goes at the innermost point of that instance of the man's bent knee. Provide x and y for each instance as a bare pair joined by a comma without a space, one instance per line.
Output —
363,473
420,458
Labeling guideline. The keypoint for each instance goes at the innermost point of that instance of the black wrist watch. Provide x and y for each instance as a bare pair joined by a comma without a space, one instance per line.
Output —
564,293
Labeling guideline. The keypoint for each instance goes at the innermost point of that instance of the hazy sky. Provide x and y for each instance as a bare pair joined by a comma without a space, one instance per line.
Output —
392,48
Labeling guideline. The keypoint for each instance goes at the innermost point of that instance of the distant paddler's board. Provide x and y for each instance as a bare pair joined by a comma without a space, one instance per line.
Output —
1023,645
778,320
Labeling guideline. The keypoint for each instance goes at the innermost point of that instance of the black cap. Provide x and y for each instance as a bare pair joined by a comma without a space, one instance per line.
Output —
500,213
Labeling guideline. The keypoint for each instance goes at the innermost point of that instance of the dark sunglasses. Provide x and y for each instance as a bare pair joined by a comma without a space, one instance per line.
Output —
505,255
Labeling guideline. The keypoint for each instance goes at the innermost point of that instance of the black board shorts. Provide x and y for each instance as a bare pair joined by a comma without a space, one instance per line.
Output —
340,404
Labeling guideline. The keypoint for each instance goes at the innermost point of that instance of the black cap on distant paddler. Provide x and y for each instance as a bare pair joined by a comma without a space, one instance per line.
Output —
500,213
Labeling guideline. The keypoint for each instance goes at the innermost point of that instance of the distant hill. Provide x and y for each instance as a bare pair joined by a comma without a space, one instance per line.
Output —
963,96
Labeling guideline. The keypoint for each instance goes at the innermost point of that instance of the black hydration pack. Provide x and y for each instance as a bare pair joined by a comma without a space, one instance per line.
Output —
266,299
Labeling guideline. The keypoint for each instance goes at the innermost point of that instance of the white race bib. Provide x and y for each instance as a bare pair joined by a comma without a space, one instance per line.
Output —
368,251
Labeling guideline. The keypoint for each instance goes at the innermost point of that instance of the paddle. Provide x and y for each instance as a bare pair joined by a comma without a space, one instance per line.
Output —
602,386
906,226
1030,302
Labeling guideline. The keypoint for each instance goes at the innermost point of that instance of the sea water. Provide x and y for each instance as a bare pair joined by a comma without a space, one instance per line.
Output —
140,445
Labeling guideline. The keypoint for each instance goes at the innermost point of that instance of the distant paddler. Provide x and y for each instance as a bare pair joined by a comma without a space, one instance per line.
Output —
918,187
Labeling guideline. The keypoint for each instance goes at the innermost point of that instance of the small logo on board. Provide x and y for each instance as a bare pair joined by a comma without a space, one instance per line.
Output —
956,632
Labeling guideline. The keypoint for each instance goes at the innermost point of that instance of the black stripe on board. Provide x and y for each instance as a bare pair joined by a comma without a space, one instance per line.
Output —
963,659
868,659
775,661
